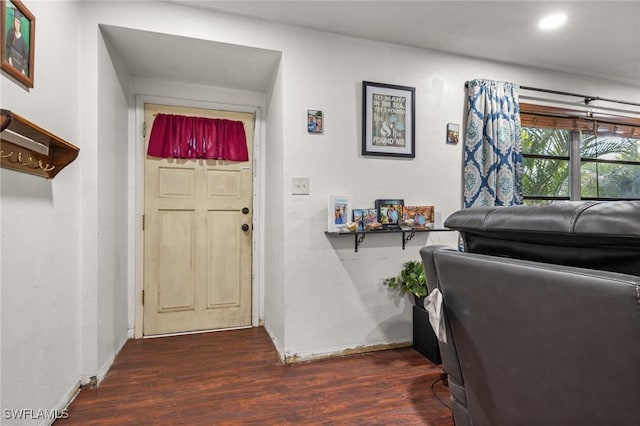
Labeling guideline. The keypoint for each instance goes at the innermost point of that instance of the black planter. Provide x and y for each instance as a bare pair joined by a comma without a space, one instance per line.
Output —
419,300
424,339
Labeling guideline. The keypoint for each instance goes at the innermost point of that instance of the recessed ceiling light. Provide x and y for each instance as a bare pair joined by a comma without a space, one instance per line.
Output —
551,22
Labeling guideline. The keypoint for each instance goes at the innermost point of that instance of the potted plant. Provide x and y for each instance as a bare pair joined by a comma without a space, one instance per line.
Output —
410,280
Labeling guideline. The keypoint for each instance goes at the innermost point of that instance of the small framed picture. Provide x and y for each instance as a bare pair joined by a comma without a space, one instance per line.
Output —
453,132
389,212
358,217
388,120
422,216
315,122
369,219
338,213
17,41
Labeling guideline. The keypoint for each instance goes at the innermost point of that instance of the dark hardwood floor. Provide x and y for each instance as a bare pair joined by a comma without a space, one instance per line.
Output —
235,377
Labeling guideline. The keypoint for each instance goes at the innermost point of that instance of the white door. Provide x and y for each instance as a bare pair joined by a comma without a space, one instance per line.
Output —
197,236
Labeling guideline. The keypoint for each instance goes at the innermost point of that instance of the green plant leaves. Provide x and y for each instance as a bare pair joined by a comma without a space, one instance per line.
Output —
411,279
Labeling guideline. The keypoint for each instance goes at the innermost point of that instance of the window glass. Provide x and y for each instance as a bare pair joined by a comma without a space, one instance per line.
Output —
545,141
609,180
609,147
545,177
545,164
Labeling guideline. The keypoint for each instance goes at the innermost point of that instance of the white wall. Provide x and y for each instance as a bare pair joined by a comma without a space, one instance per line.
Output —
63,298
273,215
103,267
112,190
40,232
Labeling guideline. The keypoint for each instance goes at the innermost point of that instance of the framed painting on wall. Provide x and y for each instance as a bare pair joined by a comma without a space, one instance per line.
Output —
388,120
17,41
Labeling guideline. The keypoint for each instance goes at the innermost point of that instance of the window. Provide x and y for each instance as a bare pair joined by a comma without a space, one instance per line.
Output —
573,155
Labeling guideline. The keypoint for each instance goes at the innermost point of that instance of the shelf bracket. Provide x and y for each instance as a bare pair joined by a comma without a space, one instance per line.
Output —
406,238
359,238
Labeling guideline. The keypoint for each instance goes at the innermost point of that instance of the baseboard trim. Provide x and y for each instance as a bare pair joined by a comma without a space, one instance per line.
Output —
297,358
63,404
184,333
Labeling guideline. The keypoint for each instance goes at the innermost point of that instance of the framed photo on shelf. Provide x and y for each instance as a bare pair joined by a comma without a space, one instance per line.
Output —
17,41
358,217
388,120
389,212
422,216
369,219
338,212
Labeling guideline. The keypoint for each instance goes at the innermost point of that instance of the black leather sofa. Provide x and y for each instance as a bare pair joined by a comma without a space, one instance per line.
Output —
542,314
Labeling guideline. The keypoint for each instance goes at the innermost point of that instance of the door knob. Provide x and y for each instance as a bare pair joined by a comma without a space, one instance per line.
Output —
245,210
245,227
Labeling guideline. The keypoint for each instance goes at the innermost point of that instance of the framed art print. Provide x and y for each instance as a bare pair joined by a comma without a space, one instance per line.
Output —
17,41
388,120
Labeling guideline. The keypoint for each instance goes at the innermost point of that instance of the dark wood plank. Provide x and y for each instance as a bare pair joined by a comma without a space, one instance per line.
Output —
235,377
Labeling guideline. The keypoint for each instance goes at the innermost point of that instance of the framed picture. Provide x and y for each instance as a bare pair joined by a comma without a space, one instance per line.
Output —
453,132
315,122
17,41
369,219
389,212
358,217
422,216
388,120
338,213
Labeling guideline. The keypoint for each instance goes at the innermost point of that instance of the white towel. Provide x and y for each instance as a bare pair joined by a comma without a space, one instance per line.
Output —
433,305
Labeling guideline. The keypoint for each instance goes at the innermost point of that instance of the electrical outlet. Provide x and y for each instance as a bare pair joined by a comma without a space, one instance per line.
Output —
300,185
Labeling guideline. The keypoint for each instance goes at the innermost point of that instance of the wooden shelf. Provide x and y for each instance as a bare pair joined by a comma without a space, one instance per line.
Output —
28,148
406,234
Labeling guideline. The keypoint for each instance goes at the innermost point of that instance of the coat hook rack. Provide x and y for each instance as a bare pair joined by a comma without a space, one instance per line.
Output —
27,148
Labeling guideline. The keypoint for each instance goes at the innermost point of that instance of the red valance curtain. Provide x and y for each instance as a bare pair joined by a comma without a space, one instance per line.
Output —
179,136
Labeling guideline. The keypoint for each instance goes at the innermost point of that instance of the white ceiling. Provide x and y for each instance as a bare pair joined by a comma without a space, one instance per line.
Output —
600,39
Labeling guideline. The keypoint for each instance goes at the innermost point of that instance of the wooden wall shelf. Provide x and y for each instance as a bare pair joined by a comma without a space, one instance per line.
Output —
28,148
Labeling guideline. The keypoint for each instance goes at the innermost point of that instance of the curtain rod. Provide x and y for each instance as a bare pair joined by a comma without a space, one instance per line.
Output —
587,98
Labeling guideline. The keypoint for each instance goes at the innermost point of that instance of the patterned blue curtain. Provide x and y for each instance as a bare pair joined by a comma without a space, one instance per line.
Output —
493,145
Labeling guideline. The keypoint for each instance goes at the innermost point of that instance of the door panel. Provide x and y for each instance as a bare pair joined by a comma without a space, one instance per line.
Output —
176,259
223,274
197,272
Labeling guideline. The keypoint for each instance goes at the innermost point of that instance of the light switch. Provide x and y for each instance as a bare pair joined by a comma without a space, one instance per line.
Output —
300,185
